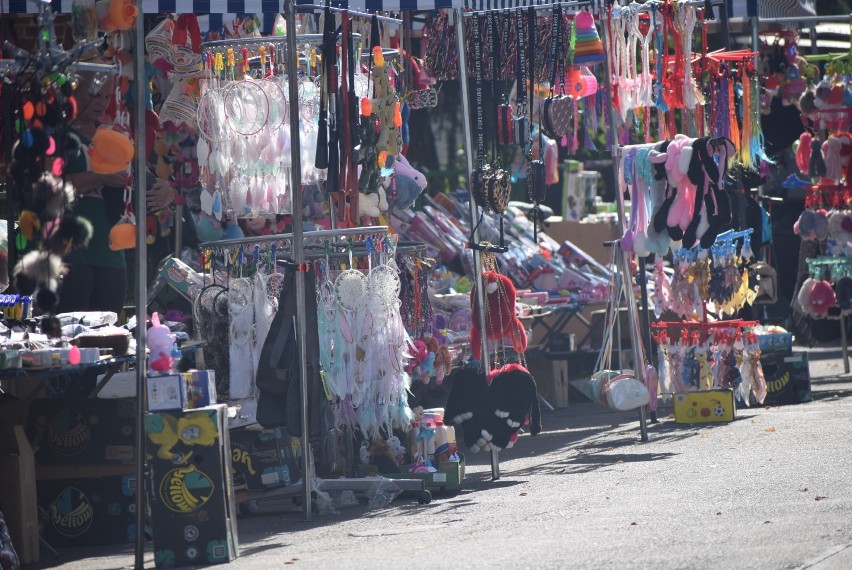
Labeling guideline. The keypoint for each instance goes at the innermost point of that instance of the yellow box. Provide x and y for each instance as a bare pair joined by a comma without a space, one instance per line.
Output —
705,407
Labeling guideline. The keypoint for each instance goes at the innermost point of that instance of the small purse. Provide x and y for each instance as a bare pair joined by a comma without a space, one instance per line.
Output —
615,389
123,234
536,185
423,99
767,278
557,109
499,190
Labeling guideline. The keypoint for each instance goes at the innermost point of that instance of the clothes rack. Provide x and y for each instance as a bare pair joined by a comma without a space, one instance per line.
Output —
632,313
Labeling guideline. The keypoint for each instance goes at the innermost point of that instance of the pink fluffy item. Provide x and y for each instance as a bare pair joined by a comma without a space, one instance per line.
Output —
803,153
160,341
679,154
821,298
652,384
501,322
662,289
403,167
804,296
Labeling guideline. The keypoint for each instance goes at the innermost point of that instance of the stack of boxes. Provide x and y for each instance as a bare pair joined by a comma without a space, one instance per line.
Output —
788,379
85,482
190,485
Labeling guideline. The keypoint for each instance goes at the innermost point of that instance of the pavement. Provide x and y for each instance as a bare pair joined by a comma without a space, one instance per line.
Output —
770,490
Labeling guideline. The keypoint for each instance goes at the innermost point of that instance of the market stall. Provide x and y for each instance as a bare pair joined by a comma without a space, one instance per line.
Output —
404,313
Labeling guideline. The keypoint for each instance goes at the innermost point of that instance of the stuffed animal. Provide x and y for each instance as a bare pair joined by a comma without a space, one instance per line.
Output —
385,105
512,397
160,341
500,319
383,457
398,449
467,406
402,167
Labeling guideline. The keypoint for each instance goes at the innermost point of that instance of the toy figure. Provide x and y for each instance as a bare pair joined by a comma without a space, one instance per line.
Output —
160,340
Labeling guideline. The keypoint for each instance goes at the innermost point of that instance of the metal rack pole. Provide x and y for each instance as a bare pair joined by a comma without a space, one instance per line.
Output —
141,287
298,250
632,316
474,210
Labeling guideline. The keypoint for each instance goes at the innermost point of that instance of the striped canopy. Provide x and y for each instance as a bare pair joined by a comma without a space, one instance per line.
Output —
214,13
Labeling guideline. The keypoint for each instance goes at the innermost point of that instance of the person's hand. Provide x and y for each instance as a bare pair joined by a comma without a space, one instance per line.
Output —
117,180
160,195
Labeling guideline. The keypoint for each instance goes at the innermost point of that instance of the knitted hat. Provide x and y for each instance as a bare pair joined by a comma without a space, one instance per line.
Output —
805,294
843,292
110,152
822,297
588,48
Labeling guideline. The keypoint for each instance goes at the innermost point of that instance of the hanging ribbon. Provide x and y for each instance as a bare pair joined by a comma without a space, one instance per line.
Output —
186,27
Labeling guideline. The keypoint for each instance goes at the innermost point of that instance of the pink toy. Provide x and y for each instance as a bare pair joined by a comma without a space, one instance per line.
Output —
160,341
403,167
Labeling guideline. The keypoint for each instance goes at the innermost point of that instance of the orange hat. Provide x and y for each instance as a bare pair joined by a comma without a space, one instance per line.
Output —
110,152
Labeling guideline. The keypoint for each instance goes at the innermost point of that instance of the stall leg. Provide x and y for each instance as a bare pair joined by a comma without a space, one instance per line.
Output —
477,261
844,345
141,292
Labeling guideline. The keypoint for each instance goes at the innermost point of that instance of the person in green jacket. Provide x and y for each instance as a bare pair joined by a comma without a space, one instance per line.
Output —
96,279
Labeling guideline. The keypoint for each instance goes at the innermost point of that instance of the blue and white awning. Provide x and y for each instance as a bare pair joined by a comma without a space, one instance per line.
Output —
223,11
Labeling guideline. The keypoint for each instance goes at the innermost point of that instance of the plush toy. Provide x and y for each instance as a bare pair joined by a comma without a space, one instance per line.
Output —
468,406
400,192
500,319
402,167
512,397
160,341
368,205
398,449
37,274
383,457
385,105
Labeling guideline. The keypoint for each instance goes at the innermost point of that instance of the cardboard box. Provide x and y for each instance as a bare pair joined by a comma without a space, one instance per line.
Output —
88,511
788,378
551,377
191,493
182,278
706,406
185,391
83,431
588,237
200,389
775,342
261,459
166,393
18,494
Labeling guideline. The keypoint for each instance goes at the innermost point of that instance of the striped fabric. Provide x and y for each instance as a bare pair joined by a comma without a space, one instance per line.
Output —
226,10
771,8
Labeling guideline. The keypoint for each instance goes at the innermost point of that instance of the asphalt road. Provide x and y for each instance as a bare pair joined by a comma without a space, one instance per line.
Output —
770,490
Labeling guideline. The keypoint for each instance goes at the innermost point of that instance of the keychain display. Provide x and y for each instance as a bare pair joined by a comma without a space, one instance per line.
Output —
721,355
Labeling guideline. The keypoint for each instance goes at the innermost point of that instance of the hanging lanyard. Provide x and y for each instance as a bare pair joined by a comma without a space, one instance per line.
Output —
521,67
555,33
479,122
494,37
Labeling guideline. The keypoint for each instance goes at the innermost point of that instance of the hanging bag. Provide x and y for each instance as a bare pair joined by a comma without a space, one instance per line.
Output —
615,389
557,108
